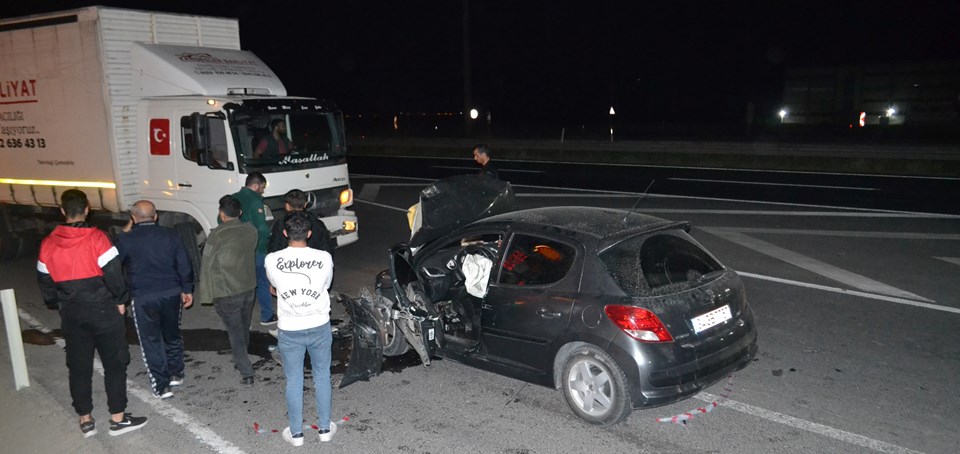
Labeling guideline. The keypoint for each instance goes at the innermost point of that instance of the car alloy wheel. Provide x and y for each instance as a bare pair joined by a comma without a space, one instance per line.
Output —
595,387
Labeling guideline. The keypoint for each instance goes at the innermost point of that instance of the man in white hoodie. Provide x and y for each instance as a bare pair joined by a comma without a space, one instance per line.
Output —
300,277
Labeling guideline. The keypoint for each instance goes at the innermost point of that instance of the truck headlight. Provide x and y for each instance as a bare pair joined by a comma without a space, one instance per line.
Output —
346,196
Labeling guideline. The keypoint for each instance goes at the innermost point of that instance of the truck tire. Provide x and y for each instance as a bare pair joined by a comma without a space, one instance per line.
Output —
11,246
189,238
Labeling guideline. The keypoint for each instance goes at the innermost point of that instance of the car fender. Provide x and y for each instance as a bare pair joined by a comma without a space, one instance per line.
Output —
366,357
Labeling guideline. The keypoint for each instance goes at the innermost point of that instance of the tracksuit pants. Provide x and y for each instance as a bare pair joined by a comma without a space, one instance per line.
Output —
158,326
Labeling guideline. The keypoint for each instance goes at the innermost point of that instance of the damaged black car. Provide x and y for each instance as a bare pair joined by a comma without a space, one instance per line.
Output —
619,310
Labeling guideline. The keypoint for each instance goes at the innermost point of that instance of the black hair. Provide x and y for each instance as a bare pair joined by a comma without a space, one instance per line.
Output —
297,225
230,206
255,178
296,198
275,122
483,148
73,202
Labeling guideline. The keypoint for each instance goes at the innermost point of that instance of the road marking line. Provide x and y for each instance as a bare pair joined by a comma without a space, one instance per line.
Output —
953,260
201,433
595,196
809,426
475,169
848,233
890,299
806,172
813,265
380,205
760,183
369,191
857,212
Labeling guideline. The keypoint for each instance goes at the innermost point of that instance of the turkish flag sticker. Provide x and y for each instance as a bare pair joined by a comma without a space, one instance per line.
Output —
159,136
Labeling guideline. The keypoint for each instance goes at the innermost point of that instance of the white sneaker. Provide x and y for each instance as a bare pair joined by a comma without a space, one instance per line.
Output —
293,439
328,435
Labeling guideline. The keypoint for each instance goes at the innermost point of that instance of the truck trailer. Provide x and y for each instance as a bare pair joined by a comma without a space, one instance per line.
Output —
128,105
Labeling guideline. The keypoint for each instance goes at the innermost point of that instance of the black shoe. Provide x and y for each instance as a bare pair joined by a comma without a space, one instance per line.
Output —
88,428
271,321
165,394
176,380
247,380
128,424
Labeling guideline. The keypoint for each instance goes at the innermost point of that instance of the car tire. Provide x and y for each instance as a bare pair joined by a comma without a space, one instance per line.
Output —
594,387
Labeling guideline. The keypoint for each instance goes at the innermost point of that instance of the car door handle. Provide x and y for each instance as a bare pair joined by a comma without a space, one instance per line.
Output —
185,185
547,313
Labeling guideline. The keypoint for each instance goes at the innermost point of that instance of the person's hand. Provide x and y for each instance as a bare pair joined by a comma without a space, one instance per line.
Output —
129,225
273,291
122,308
187,299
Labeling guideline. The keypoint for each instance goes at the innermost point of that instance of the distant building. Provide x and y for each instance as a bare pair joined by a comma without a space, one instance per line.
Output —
920,94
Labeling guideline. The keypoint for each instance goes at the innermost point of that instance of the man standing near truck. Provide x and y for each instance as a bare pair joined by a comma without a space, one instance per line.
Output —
80,274
226,280
251,202
160,278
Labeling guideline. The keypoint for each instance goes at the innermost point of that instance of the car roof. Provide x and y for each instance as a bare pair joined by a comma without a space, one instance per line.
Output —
601,223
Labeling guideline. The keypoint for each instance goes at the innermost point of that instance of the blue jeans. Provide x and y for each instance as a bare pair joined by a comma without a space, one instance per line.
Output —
292,346
264,298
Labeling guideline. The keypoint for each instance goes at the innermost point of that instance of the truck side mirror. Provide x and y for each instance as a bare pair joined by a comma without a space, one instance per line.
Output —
199,124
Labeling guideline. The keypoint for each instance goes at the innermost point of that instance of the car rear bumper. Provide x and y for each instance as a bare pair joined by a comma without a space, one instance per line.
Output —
665,386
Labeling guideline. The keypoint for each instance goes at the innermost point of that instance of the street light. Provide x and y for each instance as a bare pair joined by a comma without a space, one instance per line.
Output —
474,114
612,113
891,111
782,113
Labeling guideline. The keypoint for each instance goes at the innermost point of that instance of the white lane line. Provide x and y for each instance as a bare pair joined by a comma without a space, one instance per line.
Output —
475,169
809,426
841,214
856,212
593,196
202,434
813,265
369,191
760,183
380,205
807,172
848,233
891,299
953,260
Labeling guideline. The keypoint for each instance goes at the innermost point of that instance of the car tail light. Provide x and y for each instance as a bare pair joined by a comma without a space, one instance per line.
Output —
638,323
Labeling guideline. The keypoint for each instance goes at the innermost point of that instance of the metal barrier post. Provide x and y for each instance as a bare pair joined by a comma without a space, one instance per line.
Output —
12,321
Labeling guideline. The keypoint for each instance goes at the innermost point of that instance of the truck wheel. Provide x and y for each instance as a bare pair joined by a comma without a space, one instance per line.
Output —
11,246
594,386
189,238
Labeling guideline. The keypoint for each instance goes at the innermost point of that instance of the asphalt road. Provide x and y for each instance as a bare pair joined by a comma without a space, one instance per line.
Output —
859,352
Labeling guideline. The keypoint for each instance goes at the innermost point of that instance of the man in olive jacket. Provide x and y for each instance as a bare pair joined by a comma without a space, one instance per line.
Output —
227,279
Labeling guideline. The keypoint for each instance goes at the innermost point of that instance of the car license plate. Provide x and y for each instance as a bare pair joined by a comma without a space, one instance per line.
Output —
711,319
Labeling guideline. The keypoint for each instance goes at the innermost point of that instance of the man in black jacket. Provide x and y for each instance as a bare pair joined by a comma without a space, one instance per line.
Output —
296,200
160,278
79,273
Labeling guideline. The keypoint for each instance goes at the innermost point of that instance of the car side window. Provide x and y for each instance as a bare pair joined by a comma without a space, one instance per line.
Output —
535,261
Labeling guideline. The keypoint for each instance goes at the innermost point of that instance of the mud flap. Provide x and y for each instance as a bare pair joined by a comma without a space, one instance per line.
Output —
366,358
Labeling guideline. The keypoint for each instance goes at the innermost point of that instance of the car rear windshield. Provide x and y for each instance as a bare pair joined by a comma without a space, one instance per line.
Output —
660,263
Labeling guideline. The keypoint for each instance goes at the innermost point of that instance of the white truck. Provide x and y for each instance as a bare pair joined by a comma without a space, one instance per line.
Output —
128,105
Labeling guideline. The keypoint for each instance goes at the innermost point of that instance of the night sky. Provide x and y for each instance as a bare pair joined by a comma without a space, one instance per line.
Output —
565,61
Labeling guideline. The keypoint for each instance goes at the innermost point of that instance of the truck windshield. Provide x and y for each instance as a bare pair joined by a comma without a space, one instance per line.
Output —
271,142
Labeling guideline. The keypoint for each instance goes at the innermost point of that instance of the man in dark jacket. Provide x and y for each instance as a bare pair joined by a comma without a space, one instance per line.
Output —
227,280
293,201
80,274
481,154
160,278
